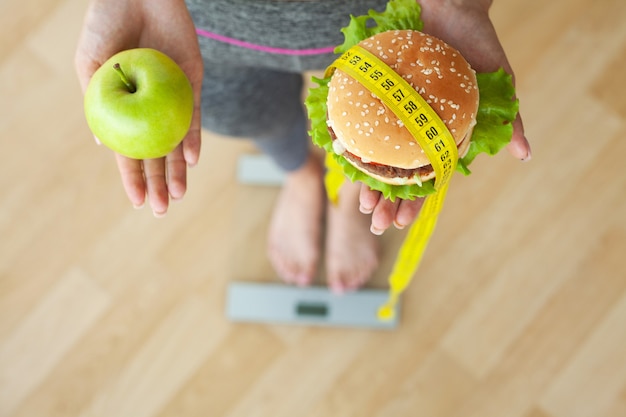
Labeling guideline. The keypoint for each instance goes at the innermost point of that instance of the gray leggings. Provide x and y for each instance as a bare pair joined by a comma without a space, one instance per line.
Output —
254,54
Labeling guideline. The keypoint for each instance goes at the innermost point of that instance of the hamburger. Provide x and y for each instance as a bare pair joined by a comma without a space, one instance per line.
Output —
371,137
365,138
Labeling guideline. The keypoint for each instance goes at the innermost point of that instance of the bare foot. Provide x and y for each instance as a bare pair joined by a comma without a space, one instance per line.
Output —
352,253
295,228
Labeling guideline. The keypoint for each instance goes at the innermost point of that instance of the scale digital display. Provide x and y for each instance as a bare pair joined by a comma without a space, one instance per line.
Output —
309,309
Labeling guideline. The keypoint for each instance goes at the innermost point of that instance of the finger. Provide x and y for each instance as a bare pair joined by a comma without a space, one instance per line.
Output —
133,180
368,199
176,173
408,212
192,142
156,184
519,146
191,146
383,215
85,68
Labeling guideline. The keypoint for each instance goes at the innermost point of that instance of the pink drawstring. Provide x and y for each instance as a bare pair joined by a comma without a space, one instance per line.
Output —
262,48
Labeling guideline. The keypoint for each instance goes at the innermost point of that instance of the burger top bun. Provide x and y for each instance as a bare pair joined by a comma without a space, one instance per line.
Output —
367,128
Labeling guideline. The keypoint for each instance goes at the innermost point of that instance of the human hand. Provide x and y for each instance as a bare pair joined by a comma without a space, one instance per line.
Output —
466,26
112,26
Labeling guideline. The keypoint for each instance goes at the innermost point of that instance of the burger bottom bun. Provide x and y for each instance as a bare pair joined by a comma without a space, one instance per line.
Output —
463,147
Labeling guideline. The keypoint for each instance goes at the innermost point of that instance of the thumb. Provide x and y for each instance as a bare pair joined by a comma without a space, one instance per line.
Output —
519,146
85,67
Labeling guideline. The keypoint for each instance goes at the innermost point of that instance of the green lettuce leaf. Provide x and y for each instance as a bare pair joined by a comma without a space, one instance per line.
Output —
496,111
496,108
399,15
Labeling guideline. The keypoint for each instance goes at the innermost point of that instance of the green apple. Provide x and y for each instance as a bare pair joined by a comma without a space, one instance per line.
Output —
139,103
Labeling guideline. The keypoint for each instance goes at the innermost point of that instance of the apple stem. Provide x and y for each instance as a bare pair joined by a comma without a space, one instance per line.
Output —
124,78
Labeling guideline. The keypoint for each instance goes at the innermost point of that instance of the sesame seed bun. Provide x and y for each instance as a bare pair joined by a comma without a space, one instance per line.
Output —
371,137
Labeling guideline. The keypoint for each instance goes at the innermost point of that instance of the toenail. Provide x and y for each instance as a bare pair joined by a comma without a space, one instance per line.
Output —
337,290
302,280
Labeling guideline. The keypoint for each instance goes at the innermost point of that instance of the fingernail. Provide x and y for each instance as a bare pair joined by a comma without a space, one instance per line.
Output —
398,225
159,215
138,206
376,231
365,210
528,156
97,140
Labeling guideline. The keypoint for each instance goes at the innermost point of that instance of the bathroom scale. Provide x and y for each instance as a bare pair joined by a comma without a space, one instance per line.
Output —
310,306
258,169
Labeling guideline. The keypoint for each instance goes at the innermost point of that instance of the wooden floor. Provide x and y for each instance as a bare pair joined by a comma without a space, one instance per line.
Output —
519,309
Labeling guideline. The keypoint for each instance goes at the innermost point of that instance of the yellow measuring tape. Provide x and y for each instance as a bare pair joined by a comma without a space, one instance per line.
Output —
431,134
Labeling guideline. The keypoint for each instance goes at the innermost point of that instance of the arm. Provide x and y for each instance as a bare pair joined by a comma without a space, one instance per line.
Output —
111,26
464,24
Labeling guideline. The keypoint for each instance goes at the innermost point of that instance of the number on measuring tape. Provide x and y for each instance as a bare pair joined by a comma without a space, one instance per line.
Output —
387,84
431,133
398,95
421,119
410,107
376,74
